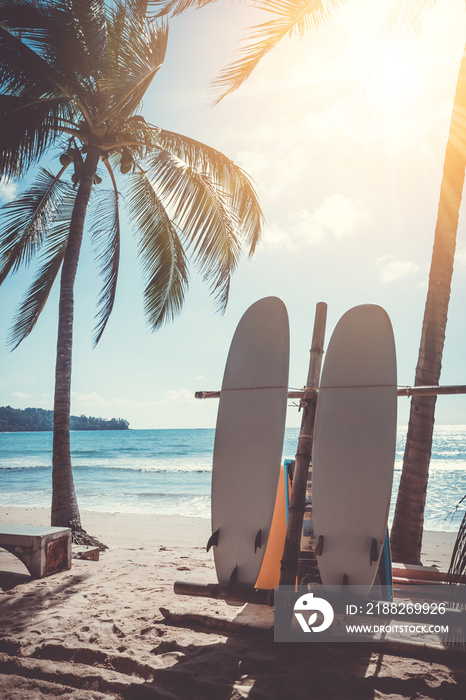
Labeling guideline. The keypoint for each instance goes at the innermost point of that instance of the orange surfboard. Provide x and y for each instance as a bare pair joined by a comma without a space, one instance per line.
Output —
269,575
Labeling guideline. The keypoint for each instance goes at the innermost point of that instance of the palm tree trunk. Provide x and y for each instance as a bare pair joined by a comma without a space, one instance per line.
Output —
406,535
65,511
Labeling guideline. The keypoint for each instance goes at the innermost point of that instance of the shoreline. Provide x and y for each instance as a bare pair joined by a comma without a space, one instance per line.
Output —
127,529
122,529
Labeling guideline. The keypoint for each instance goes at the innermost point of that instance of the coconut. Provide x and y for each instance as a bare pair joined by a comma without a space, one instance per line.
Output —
72,153
100,130
65,159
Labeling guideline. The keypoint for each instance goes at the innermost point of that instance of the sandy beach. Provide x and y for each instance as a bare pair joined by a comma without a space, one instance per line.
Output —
114,628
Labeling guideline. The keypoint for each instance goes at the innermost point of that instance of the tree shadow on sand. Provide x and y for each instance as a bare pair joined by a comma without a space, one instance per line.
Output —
249,664
256,668
16,611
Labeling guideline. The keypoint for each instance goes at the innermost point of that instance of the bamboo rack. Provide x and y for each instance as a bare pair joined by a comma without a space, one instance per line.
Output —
408,391
308,399
296,507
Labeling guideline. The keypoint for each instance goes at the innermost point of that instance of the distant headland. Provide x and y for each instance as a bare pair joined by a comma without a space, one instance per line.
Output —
17,420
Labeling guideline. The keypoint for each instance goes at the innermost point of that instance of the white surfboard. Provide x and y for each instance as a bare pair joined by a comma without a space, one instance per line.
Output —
249,441
354,447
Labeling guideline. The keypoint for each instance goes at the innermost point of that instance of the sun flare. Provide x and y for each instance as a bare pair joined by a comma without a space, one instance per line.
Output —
384,81
388,74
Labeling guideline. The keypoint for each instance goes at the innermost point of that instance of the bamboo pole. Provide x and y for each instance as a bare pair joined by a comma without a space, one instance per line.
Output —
243,594
431,390
289,564
407,391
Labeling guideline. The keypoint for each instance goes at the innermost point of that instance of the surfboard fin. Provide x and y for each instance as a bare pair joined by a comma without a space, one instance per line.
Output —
258,541
234,577
213,539
374,551
320,546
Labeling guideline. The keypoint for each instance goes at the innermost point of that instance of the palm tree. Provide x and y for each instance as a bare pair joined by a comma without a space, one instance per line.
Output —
295,16
406,534
74,73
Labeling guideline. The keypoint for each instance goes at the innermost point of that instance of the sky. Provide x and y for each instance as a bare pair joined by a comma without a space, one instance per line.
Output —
343,132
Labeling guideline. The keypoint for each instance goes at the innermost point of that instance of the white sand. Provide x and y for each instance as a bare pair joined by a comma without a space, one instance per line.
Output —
97,631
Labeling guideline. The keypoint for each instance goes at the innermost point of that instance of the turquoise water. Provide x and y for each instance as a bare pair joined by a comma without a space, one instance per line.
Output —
169,471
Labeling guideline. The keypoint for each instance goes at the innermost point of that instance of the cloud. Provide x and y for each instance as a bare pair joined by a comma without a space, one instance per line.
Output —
7,191
277,238
392,270
460,257
94,401
21,395
174,397
179,397
336,218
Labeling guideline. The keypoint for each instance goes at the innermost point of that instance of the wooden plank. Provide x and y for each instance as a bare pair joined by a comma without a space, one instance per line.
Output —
243,594
418,573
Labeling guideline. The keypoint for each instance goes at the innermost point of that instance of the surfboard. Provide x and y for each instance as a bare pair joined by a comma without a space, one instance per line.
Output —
354,447
269,574
385,568
382,588
248,441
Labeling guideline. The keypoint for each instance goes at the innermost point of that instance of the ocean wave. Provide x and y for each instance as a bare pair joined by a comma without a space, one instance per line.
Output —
173,496
137,452
439,465
181,505
141,470
23,467
107,468
169,472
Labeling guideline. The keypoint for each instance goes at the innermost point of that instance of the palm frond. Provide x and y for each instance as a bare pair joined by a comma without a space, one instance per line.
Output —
27,128
27,219
160,251
27,20
23,70
134,133
34,300
137,51
91,18
176,7
406,19
79,43
217,252
106,239
202,211
224,173
76,46
292,16
50,262
50,48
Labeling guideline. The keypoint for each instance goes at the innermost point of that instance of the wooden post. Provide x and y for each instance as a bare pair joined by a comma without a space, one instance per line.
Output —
289,565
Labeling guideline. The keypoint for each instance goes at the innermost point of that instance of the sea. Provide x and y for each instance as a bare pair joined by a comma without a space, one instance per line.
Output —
169,471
